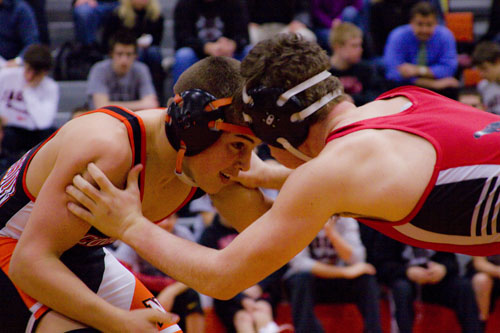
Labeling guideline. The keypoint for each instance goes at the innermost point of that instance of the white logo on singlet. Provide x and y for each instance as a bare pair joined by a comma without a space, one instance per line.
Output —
8,182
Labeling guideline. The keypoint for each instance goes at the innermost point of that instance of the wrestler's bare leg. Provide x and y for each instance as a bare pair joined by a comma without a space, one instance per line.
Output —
55,322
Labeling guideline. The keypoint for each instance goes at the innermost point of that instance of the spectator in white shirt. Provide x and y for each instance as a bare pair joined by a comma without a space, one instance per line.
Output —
28,102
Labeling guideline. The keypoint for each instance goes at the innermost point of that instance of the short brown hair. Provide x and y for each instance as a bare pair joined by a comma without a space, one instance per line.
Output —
344,32
486,51
38,57
423,8
284,61
219,76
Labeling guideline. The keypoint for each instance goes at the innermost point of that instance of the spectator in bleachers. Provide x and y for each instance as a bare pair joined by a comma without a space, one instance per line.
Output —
485,273
121,80
18,30
88,16
385,15
209,28
472,97
28,102
360,79
486,57
326,14
143,18
270,17
413,274
174,296
423,53
493,32
40,13
252,309
333,269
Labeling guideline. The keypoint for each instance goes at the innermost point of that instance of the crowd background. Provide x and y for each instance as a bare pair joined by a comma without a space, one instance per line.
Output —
59,58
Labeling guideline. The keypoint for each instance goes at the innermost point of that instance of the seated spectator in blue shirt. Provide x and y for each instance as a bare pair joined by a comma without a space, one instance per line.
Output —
422,53
18,29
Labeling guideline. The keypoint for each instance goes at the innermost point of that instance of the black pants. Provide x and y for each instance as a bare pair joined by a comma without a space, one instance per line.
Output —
453,292
305,290
17,141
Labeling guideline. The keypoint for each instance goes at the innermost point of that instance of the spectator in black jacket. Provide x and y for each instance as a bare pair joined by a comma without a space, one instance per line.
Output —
417,274
270,17
208,28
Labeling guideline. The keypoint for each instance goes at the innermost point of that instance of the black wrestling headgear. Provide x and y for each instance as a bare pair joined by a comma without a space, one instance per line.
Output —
278,117
195,120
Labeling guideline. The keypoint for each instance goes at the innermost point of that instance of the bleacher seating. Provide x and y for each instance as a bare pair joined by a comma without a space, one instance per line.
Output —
61,29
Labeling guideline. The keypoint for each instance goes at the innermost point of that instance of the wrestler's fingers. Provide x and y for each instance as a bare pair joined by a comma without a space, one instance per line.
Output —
133,176
80,212
100,178
164,317
79,196
86,188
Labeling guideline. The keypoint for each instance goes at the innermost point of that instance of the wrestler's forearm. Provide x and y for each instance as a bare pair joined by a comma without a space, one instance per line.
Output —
216,273
183,260
276,174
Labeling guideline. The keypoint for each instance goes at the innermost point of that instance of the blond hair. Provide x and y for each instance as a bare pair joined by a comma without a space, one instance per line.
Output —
127,14
344,32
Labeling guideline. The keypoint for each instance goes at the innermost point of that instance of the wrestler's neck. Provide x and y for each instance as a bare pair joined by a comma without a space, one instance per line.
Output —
159,151
319,131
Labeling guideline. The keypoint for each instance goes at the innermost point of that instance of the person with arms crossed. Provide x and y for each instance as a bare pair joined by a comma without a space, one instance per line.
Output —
427,167
55,275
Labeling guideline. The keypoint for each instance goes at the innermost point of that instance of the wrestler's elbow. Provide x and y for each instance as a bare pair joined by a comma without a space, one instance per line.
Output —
18,269
227,281
221,290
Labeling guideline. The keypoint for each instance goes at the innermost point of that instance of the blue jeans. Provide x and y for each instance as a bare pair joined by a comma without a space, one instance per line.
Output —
88,20
185,57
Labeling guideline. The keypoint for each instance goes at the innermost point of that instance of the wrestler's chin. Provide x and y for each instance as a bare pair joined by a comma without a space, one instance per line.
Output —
216,184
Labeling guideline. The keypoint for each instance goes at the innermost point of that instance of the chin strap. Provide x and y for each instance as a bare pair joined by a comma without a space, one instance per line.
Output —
178,167
294,151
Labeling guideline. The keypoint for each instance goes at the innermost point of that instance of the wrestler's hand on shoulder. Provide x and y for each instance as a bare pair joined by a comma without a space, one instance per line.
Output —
111,210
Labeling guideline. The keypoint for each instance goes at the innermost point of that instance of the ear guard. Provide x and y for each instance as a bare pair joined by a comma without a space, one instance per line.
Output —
278,117
270,121
195,121
188,120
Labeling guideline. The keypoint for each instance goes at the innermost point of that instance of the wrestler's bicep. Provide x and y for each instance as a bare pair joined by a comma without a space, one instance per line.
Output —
51,225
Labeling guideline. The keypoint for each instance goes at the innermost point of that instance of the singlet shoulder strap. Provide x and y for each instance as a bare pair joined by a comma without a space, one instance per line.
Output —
136,133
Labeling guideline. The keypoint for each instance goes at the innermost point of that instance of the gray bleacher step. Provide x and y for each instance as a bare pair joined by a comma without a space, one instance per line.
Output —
61,32
58,10
72,95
